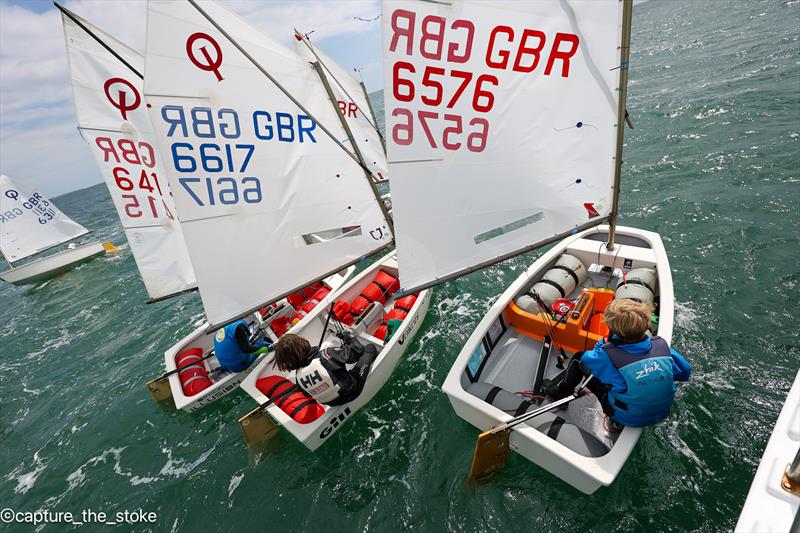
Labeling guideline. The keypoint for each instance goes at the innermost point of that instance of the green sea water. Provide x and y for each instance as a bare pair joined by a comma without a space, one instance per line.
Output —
713,165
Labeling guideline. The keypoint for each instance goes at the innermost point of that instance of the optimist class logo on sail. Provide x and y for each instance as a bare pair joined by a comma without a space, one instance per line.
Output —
438,62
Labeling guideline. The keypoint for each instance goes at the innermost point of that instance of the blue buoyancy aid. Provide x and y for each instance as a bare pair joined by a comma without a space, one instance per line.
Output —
228,351
650,384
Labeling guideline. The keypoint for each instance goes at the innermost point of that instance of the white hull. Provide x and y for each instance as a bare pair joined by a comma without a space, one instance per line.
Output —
50,266
516,354
227,381
769,508
315,433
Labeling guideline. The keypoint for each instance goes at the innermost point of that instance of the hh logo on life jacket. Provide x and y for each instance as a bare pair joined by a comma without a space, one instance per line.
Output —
648,369
308,381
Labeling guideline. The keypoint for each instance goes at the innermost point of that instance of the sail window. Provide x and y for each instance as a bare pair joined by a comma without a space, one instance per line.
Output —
332,235
507,228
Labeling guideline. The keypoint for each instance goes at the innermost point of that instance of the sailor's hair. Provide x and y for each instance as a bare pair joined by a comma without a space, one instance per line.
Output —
290,352
628,319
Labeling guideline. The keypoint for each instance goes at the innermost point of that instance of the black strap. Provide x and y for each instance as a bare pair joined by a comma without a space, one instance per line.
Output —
568,271
544,355
637,282
275,387
492,395
383,289
523,407
622,405
555,427
553,284
283,399
303,404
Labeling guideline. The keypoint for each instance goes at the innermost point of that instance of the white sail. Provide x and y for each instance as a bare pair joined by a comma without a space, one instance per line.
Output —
114,123
255,179
501,122
30,223
353,104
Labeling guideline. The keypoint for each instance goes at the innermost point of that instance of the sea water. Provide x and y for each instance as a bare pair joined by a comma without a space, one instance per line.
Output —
712,165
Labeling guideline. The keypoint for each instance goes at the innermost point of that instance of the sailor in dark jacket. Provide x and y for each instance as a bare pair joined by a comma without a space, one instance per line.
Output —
322,373
634,374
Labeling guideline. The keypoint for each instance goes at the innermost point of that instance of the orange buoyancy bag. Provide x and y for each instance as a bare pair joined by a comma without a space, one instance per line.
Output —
401,308
342,311
301,408
383,286
192,374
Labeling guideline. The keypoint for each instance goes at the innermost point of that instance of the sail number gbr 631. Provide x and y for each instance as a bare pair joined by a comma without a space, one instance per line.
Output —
458,96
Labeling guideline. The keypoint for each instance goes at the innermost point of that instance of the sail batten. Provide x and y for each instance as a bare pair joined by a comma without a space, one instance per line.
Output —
500,125
107,89
256,159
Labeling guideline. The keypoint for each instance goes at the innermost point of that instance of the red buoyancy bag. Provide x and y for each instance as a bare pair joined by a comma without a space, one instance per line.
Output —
193,375
309,291
280,325
401,308
312,302
296,299
342,311
301,408
398,312
383,286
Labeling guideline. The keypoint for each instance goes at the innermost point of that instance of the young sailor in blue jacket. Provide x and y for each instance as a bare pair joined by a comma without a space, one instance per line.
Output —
233,348
634,374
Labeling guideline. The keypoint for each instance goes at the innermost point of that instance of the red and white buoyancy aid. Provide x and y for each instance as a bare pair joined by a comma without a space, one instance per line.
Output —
310,304
192,374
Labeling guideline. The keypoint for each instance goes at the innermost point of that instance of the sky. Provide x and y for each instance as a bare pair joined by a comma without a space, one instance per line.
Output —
39,142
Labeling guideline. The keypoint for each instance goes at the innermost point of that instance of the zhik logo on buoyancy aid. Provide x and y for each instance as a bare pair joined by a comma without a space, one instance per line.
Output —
648,369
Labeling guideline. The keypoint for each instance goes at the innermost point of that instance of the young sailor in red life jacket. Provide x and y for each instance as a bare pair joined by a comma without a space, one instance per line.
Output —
322,373
233,348
634,374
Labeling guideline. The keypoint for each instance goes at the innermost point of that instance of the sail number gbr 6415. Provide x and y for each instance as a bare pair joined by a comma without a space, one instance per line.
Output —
441,71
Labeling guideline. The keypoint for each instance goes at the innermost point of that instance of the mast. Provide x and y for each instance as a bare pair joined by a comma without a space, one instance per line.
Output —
372,122
354,144
625,54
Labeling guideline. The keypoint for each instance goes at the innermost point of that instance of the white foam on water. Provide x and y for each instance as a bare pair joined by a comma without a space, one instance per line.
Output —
686,318
236,479
25,481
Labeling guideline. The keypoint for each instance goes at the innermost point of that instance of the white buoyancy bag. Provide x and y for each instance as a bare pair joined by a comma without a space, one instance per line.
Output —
640,284
557,282
317,382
